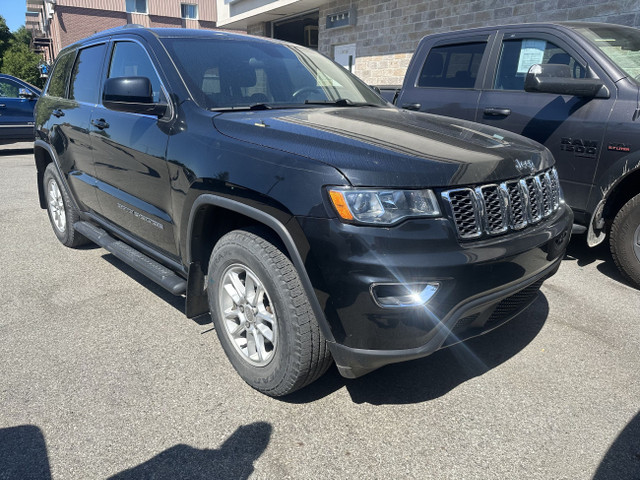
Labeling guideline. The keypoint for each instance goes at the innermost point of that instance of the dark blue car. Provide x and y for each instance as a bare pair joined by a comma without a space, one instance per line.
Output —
17,99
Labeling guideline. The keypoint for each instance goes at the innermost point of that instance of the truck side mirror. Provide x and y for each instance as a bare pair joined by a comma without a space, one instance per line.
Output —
131,94
24,93
553,78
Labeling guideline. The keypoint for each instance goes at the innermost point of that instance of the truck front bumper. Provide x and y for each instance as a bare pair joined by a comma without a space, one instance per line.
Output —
478,285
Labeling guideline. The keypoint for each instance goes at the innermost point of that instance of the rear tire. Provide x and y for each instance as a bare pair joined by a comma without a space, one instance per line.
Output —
262,315
62,213
624,240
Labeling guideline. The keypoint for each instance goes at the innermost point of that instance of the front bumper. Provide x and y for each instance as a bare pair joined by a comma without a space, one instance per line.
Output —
473,277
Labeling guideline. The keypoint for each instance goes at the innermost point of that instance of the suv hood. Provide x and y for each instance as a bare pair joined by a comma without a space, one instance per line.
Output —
390,147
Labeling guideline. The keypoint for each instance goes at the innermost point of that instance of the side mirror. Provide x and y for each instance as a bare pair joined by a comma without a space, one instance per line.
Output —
552,78
131,94
24,93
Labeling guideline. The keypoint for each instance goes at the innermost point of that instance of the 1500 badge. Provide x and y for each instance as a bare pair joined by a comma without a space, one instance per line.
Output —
586,148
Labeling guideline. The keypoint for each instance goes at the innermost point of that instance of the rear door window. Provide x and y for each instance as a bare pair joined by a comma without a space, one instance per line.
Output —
452,66
85,76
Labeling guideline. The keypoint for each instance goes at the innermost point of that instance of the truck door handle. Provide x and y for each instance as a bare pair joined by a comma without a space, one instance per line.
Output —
497,112
2,105
412,106
101,124
57,113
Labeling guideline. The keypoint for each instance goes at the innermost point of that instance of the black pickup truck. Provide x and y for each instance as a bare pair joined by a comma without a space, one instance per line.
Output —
275,190
573,87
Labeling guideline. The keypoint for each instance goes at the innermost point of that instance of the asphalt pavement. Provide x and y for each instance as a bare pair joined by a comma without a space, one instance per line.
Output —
102,376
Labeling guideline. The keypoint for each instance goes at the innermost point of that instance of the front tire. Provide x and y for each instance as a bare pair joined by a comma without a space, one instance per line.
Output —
625,240
262,315
62,213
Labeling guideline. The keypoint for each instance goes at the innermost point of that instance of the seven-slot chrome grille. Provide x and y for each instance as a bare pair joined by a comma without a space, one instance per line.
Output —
498,208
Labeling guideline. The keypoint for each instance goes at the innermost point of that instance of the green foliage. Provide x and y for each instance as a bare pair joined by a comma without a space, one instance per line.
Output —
16,58
21,62
5,37
22,35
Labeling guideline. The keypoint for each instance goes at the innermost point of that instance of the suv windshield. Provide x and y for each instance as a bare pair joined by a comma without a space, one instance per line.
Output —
238,73
620,44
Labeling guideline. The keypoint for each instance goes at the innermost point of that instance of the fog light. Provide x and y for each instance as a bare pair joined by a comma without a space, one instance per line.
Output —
396,295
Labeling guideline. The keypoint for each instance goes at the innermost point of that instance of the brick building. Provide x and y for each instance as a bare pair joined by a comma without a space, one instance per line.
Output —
377,37
58,23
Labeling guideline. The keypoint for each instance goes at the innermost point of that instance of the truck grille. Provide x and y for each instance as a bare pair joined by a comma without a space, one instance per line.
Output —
498,208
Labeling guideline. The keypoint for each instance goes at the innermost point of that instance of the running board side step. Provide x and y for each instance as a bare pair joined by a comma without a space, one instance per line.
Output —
134,258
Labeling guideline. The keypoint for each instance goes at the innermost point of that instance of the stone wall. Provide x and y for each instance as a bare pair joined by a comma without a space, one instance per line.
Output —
386,33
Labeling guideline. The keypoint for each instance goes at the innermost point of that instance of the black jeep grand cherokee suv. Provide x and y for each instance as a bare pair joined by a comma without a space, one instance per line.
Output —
272,188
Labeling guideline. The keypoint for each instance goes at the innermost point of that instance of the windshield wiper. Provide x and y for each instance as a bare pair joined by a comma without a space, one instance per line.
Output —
255,106
341,102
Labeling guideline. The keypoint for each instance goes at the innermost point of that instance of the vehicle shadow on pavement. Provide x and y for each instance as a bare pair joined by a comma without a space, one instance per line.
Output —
622,460
579,251
173,300
234,459
9,152
23,453
436,375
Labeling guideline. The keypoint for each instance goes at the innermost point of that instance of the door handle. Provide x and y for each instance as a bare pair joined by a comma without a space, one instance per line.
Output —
101,124
412,106
57,113
2,105
497,112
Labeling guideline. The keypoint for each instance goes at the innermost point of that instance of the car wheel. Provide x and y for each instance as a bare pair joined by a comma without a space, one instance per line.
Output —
625,240
262,315
62,213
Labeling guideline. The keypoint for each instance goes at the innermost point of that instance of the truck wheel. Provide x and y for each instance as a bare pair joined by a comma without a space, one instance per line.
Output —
625,240
262,315
62,213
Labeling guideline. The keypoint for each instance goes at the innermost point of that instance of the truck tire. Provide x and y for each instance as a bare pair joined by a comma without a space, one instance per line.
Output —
262,315
625,240
62,213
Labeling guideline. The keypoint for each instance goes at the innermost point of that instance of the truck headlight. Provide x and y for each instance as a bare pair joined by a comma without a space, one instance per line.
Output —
382,206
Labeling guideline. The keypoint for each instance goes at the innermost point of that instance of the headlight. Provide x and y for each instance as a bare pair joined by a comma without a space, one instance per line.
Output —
382,207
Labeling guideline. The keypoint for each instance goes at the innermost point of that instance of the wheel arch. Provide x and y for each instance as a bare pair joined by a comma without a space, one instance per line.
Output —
617,187
625,190
213,216
43,158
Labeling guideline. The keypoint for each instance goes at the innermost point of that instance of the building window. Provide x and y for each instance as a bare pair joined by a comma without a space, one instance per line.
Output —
136,6
189,11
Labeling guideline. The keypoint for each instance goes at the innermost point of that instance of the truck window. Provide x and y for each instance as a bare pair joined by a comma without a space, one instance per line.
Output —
131,60
84,76
452,66
9,89
58,82
517,56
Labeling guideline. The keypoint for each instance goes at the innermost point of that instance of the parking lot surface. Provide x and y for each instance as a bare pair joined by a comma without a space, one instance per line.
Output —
102,375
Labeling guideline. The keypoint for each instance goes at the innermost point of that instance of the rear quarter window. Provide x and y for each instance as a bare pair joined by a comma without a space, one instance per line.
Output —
57,86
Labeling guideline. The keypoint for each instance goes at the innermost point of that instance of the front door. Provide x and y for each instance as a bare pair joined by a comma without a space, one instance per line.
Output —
16,113
569,126
129,158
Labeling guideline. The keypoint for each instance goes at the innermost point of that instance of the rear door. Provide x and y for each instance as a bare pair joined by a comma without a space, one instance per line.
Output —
446,74
70,98
571,127
129,156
